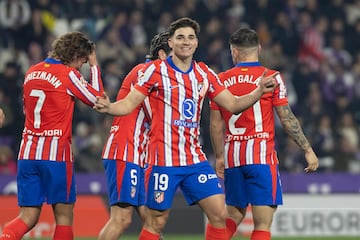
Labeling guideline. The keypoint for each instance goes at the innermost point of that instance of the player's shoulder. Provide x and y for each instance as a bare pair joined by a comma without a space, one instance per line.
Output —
202,65
153,64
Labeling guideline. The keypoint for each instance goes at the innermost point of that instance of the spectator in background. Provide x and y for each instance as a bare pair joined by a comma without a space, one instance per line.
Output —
35,52
311,51
35,31
338,89
14,15
336,53
348,132
2,117
324,140
7,160
112,77
284,32
5,110
138,34
11,102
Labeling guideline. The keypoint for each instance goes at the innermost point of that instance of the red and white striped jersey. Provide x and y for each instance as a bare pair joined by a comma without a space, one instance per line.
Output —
250,135
128,134
49,93
176,100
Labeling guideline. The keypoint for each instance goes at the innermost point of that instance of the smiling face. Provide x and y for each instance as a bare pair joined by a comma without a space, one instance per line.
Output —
183,43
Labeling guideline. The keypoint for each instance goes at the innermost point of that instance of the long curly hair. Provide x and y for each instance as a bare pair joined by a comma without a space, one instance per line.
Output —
71,46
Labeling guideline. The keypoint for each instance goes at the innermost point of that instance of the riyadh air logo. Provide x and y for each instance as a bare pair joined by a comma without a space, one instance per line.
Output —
188,109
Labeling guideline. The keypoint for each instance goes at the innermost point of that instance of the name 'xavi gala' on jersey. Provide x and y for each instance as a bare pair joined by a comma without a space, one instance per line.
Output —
250,135
176,99
50,89
135,126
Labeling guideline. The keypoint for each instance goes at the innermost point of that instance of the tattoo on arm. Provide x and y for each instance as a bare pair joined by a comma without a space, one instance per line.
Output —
292,126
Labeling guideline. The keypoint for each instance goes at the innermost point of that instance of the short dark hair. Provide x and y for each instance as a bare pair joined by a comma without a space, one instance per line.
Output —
184,22
159,42
244,37
70,46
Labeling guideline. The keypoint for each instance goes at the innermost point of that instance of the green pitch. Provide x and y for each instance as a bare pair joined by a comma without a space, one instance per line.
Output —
201,237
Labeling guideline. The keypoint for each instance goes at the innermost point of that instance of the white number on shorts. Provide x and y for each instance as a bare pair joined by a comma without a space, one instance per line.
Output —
161,182
39,104
257,118
133,176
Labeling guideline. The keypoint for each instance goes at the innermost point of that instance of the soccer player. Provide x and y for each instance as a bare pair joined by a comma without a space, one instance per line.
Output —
176,88
125,151
45,160
251,166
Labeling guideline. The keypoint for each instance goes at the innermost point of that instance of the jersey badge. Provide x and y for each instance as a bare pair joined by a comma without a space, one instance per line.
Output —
159,197
132,191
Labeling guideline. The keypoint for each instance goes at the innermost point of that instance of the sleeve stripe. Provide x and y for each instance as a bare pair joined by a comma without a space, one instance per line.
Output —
95,78
81,87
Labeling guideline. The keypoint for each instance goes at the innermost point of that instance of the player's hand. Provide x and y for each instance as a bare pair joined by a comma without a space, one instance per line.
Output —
2,117
268,83
312,161
219,167
102,103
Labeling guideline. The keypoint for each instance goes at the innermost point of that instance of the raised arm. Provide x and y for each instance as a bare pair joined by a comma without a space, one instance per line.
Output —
122,107
292,127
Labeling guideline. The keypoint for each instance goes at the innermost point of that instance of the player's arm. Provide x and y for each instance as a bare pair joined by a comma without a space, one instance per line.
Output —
217,140
95,75
81,88
237,104
292,127
121,107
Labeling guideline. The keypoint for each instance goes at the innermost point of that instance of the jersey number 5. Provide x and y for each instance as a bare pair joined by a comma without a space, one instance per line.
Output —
39,104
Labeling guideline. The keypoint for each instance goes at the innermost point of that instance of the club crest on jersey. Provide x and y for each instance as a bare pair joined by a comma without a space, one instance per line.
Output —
202,87
141,77
159,197
132,191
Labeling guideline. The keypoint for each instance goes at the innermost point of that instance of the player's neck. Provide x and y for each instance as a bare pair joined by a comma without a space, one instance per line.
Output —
247,59
182,64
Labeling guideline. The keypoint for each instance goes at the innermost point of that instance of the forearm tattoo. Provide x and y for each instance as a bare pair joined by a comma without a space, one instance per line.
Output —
292,126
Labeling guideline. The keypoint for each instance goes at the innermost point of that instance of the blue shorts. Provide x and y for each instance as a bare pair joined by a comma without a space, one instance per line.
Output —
125,182
257,184
45,181
197,181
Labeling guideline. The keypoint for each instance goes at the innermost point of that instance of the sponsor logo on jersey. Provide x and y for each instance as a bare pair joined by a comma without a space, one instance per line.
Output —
188,108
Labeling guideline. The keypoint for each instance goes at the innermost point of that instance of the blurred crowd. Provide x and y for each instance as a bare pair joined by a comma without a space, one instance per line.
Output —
315,44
